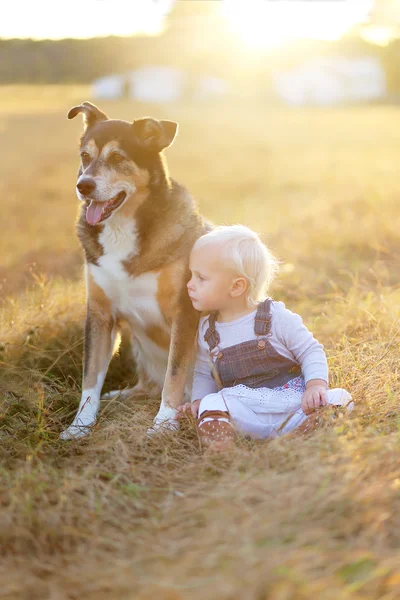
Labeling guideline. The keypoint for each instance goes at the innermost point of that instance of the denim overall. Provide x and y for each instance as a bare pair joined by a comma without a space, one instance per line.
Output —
254,363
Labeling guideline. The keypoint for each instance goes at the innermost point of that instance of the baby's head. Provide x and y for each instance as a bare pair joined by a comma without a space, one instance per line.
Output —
230,264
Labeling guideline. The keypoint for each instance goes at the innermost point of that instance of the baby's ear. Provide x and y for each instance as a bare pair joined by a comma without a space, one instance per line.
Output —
239,287
155,135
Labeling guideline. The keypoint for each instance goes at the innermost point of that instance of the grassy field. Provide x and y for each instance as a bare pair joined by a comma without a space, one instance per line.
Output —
118,516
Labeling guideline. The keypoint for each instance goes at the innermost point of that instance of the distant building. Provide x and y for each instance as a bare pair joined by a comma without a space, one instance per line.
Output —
332,80
159,84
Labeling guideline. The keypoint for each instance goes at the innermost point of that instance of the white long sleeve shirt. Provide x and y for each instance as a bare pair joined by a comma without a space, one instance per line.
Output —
288,335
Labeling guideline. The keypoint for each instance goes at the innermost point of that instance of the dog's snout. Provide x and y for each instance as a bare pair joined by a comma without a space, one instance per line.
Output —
86,186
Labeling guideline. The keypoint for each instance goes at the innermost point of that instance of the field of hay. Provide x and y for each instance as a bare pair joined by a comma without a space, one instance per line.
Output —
118,516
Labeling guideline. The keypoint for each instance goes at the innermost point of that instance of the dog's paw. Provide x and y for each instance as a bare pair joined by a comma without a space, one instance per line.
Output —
84,419
75,431
164,420
123,394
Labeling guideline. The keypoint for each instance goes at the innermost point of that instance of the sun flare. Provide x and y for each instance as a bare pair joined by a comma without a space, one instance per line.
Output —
268,24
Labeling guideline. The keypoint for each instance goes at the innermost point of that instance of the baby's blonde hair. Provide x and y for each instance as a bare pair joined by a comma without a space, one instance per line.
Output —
249,257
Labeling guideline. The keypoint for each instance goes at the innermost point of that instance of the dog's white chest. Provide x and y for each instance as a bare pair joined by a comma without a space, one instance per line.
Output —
135,298
119,240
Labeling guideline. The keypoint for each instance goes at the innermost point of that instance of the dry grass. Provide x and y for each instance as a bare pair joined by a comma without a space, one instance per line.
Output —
118,516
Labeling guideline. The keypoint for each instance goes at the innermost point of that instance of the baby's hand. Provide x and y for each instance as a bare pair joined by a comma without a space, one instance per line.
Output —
313,397
187,409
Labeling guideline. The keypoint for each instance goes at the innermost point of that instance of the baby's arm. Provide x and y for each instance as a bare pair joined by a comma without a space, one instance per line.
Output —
310,354
203,382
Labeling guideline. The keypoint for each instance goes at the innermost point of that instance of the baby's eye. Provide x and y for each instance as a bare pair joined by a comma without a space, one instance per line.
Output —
200,278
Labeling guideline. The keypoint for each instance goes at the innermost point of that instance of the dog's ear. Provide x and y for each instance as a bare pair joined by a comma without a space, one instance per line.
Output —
91,114
153,134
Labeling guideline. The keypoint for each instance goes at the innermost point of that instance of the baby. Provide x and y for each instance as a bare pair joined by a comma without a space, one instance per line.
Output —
259,370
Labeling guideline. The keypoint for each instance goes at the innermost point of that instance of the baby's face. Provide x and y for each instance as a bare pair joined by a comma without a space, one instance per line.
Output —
211,281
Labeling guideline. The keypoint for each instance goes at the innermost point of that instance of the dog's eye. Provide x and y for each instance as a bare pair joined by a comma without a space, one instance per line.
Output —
116,157
85,155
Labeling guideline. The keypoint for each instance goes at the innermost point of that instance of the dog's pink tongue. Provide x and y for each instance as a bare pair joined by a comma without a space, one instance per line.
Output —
93,212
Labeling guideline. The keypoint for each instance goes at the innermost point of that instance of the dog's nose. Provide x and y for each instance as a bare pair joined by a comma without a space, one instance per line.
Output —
86,186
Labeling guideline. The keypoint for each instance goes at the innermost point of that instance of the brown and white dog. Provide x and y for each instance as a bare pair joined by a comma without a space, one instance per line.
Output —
137,227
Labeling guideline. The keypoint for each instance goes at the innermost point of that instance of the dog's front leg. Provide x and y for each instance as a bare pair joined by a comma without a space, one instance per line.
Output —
180,359
100,334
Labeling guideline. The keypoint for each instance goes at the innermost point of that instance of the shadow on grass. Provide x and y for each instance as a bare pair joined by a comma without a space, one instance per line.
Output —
40,384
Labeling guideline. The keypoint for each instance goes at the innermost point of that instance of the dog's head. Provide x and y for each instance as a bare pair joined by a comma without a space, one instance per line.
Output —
118,160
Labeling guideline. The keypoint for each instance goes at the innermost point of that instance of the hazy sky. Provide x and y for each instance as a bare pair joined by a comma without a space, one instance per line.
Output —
259,22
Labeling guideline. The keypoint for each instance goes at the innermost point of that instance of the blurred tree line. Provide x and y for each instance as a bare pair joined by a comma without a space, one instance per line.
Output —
196,38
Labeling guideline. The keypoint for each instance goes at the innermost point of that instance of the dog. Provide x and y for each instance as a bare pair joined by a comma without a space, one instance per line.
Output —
137,227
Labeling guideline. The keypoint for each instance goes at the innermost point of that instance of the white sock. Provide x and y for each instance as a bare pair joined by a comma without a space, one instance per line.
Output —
340,397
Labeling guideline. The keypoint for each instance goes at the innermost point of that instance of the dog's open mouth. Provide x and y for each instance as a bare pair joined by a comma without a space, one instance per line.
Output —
100,211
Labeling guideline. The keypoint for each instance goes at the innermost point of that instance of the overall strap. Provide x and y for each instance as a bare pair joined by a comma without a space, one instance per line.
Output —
262,321
211,336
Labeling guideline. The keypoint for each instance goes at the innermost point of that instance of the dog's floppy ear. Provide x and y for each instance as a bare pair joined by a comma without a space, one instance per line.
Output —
91,114
153,134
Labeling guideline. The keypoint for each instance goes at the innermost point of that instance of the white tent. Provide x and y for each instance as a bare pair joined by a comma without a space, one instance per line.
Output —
110,87
159,84
209,87
332,80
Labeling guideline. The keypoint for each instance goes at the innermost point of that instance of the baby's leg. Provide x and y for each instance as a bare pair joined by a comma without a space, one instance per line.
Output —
215,428
221,414
301,424
263,413
242,411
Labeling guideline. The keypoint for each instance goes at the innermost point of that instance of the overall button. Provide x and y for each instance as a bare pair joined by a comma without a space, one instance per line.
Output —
261,344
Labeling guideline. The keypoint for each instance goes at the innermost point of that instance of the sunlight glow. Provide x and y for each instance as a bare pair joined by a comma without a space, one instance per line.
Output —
381,36
54,20
269,24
